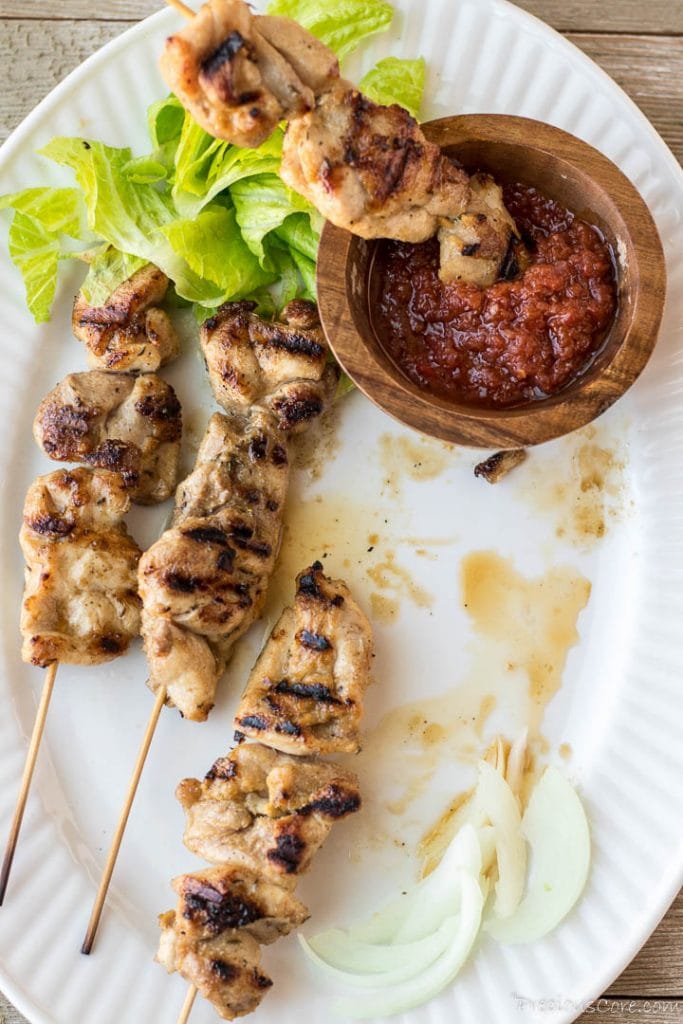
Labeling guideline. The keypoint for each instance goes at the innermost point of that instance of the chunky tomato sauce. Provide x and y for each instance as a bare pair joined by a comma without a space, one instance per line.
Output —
515,341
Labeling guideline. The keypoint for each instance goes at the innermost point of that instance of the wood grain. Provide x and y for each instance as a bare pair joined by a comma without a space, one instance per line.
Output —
650,70
658,16
47,38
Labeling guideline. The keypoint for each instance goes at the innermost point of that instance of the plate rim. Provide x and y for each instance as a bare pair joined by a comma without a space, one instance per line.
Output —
672,882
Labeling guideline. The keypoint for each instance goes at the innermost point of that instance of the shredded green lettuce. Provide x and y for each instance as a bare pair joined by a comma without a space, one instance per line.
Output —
340,24
394,80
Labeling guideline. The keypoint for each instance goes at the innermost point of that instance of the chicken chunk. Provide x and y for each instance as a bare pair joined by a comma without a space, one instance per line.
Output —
80,601
265,809
304,694
282,365
239,75
339,157
204,581
213,937
129,334
118,422
370,169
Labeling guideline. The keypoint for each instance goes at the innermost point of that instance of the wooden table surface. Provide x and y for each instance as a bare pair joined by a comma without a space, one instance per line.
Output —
639,43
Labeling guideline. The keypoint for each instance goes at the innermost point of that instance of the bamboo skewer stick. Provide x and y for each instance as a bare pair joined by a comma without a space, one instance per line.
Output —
31,756
187,1005
181,8
98,905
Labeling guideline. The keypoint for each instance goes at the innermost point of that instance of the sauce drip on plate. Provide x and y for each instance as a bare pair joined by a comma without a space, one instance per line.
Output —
515,341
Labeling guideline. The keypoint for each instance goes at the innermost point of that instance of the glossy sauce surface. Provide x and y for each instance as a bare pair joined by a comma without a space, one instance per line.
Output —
515,341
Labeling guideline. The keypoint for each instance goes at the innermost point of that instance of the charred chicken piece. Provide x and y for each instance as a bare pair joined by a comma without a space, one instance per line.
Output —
265,809
239,76
80,601
500,464
119,422
370,169
129,334
281,365
304,694
213,937
204,581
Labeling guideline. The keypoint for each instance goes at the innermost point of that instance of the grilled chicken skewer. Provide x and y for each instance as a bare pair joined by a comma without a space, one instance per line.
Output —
80,601
366,167
265,812
129,424
204,582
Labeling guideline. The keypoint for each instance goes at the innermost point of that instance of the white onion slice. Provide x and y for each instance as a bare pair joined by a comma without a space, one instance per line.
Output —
495,802
364,965
556,829
434,978
425,907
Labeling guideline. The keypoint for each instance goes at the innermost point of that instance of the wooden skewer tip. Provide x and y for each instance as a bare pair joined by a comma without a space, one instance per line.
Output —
187,1005
101,896
181,8
29,766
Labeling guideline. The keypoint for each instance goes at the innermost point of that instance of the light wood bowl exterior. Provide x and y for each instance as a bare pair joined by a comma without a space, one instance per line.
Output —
582,179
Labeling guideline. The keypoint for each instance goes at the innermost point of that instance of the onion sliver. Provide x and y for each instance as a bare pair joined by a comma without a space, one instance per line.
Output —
556,829
370,966
434,978
428,904
494,801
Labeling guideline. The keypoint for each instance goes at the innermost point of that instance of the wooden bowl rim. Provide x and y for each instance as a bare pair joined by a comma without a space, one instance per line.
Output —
523,425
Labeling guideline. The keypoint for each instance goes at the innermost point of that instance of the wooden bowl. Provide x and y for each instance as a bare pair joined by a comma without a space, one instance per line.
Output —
580,178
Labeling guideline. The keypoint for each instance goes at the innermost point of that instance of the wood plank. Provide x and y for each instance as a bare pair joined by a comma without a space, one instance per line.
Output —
650,69
39,56
657,971
658,16
655,16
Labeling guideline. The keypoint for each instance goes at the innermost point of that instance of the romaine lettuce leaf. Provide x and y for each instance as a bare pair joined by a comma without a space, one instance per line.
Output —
341,24
214,249
205,167
394,80
129,215
262,203
43,216
36,253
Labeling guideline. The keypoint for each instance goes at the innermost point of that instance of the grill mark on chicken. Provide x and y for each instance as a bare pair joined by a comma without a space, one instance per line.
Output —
334,803
226,972
310,691
50,526
314,641
217,911
288,852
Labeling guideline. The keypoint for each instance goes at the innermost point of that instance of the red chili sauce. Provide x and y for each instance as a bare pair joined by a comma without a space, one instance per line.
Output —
515,341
